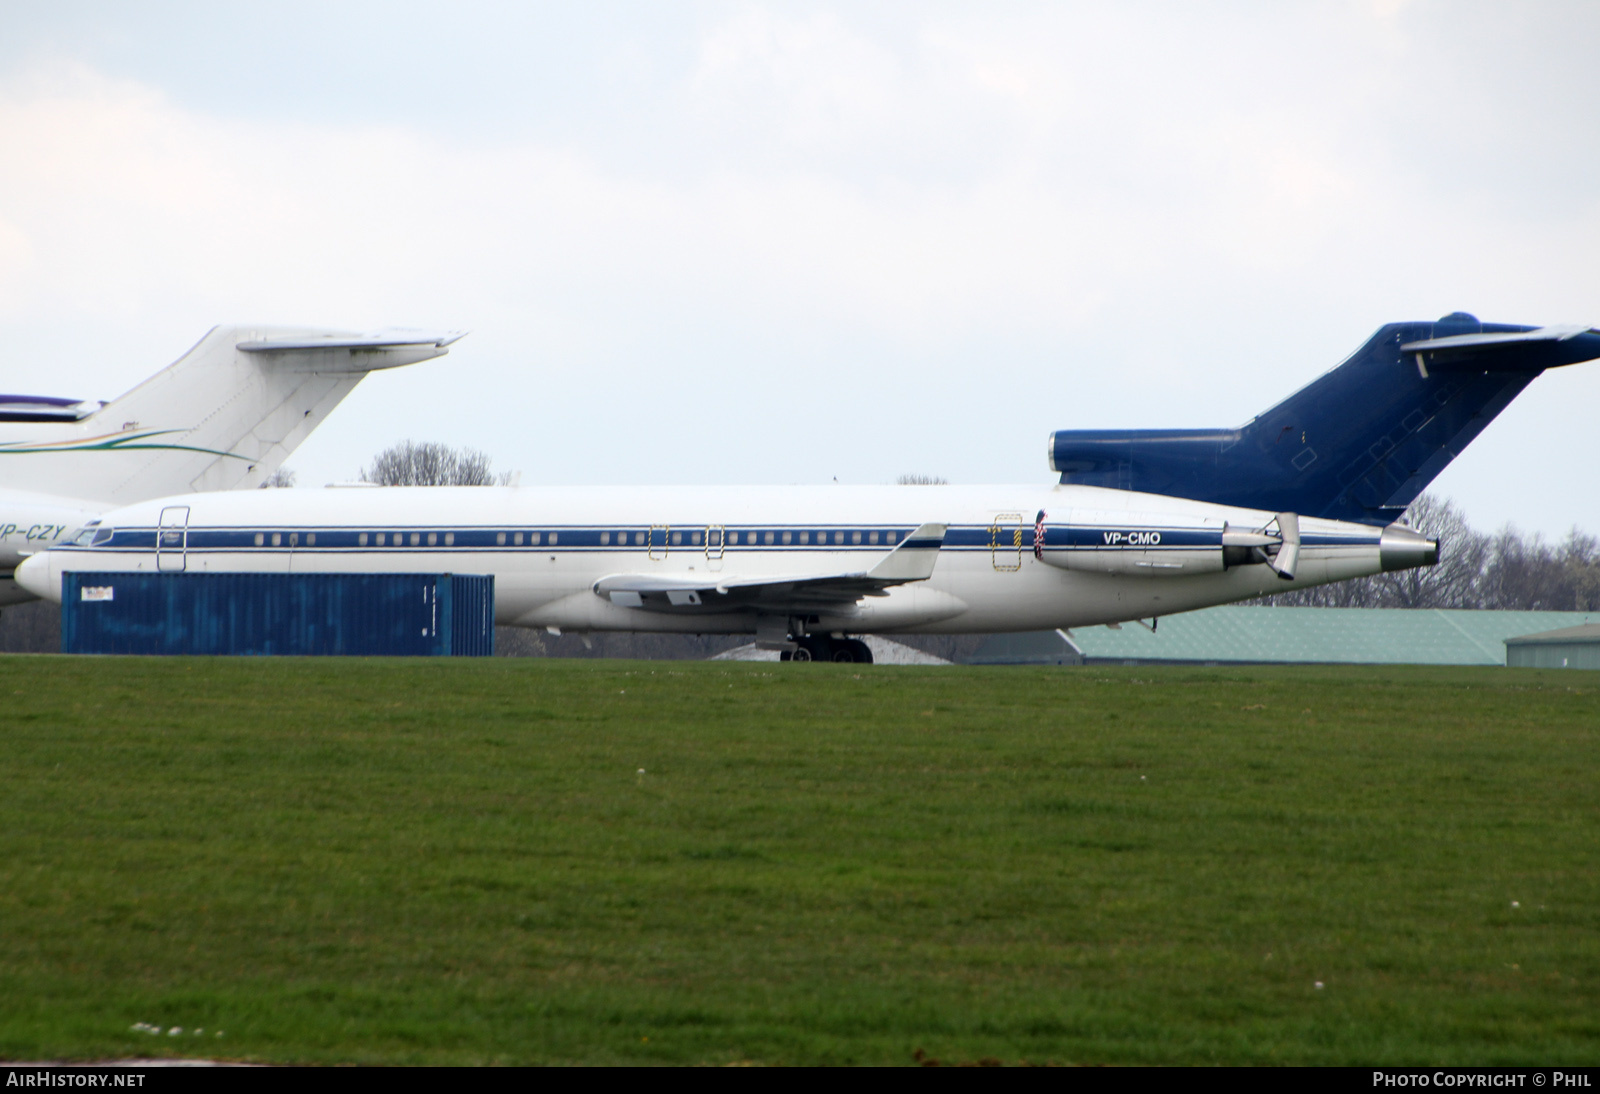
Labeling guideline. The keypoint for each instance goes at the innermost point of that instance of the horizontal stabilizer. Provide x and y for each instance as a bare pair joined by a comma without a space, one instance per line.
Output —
352,353
385,339
912,560
1504,338
43,408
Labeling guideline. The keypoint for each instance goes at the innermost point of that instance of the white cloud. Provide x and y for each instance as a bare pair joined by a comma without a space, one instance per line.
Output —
867,235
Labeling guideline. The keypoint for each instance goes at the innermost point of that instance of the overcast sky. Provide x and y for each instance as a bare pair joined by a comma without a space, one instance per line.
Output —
752,243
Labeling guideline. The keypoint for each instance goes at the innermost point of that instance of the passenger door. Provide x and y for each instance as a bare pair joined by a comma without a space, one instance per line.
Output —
172,540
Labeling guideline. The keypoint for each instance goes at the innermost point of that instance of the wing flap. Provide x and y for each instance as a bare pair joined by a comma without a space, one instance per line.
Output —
912,560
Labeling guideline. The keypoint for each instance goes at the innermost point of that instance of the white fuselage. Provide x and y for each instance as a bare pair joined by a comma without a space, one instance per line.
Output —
1108,555
31,522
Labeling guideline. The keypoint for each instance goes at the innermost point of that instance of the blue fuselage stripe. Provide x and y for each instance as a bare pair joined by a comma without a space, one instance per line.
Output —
634,540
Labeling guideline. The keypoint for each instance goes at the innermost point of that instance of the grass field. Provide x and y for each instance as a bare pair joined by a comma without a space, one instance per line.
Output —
459,862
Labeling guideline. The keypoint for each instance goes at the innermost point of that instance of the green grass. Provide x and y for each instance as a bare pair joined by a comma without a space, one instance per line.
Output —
457,862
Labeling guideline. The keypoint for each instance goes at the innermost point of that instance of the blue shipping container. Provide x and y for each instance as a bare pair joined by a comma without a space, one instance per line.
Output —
360,615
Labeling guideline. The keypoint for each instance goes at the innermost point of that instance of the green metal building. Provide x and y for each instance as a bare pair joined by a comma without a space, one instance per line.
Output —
1236,635
1567,648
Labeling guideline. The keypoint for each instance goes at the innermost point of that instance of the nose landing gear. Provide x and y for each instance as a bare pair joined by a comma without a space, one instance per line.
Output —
820,647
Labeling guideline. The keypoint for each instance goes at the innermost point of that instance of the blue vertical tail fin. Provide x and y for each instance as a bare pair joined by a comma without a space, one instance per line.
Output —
1359,443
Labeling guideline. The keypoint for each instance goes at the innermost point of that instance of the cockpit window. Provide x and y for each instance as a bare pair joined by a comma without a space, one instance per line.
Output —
90,535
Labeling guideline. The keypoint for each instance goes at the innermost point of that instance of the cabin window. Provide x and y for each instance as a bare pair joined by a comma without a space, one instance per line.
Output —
605,539
805,537
552,538
311,539
449,539
277,539
433,539
260,538
891,537
500,539
695,539
769,537
788,538
872,537
733,537
855,537
677,539
382,539
397,539
416,539
838,537
294,539
362,539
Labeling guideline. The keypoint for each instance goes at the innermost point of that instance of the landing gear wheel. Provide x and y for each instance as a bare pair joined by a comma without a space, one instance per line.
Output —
820,647
814,647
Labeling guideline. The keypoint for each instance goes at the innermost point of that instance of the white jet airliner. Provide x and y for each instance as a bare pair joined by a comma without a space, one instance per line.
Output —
804,569
224,416
800,568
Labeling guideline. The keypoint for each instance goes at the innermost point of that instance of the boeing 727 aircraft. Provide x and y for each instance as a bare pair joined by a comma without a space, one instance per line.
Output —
1304,494
224,416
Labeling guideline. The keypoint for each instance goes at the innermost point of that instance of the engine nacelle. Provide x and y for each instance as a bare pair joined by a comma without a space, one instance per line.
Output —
1158,545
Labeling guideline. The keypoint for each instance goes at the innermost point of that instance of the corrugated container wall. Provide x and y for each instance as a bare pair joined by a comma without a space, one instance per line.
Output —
389,615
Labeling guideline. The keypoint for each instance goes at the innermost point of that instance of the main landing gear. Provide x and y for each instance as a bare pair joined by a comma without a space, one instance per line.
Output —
820,647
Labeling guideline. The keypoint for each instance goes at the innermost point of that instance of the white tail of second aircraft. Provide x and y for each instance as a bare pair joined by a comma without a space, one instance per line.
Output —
224,416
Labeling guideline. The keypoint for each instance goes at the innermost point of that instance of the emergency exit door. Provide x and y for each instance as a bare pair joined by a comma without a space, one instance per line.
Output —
1005,542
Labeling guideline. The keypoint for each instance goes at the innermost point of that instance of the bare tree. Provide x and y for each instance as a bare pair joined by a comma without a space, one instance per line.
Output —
1526,572
1456,582
412,464
921,480
281,479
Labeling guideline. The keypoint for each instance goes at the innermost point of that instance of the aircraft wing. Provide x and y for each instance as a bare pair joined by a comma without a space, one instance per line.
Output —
911,561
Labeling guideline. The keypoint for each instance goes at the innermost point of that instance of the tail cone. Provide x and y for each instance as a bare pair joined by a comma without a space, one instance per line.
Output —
1403,548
